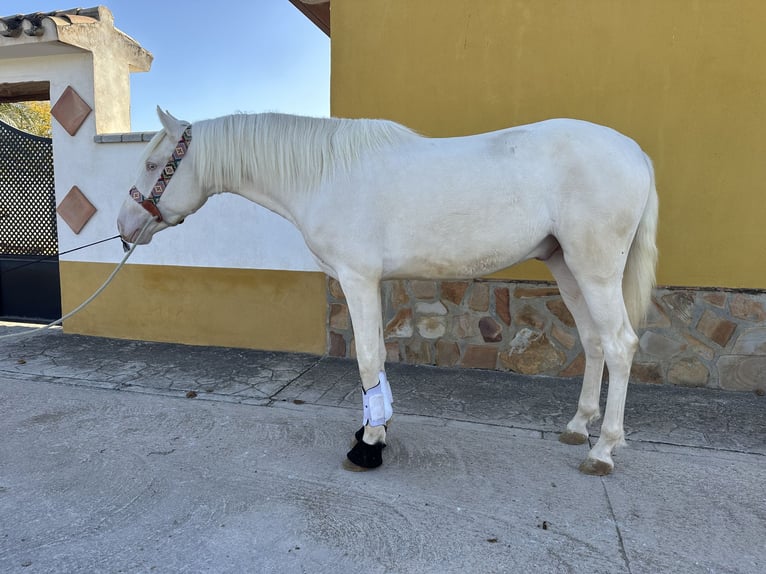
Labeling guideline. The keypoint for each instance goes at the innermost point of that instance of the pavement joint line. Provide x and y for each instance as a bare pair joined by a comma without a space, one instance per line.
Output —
291,381
633,442
59,379
616,523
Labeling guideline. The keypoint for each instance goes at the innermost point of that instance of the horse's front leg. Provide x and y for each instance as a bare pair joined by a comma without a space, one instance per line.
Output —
364,306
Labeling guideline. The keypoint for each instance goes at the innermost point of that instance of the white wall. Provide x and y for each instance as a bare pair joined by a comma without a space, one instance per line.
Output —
227,232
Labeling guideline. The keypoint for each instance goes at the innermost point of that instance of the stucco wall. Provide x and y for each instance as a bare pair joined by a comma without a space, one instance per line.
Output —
234,274
683,78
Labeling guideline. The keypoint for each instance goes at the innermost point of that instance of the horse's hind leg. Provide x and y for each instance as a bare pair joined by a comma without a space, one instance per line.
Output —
588,405
364,305
604,300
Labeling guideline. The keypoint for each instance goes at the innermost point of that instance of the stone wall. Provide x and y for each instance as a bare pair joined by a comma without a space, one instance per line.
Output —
693,337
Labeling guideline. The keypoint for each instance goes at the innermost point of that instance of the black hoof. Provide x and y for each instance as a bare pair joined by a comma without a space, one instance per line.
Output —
366,455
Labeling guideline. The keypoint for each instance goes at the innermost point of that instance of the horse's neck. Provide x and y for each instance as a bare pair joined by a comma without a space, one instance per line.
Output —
282,161
274,161
284,203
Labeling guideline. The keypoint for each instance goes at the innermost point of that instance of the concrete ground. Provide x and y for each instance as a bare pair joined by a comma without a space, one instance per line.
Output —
110,463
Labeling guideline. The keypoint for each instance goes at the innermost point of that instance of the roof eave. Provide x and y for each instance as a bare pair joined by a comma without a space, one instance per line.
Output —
318,11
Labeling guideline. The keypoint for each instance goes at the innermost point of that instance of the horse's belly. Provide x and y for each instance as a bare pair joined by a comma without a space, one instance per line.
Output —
422,268
462,261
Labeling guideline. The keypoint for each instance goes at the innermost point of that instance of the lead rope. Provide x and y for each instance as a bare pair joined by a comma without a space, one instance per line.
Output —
38,330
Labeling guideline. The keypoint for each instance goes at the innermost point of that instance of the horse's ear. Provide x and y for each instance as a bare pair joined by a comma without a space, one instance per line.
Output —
170,123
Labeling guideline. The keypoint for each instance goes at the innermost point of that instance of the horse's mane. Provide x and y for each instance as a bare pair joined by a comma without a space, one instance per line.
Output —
284,150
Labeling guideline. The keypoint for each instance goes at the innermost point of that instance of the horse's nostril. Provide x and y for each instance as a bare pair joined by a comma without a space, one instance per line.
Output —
180,221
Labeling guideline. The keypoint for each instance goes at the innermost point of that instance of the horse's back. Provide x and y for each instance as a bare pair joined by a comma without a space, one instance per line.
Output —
562,140
585,165
545,164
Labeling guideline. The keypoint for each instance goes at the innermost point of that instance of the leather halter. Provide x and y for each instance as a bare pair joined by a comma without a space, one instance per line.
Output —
150,203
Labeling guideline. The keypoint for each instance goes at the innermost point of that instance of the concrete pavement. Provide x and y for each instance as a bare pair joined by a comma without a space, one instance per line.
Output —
123,456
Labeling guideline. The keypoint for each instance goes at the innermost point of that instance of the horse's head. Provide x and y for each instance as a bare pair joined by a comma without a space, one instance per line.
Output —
165,174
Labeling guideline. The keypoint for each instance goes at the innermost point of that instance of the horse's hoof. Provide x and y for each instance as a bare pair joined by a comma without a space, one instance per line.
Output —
365,456
357,438
596,467
570,437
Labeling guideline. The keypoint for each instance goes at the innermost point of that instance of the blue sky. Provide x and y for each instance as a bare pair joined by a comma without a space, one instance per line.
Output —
216,58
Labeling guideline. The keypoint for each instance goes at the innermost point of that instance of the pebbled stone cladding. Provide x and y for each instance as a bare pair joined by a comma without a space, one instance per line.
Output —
692,337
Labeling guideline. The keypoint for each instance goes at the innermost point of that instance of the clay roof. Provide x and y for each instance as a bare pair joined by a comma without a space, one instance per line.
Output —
32,24
62,31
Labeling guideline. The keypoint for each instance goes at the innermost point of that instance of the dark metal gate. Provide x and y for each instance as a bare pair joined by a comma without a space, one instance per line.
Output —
29,269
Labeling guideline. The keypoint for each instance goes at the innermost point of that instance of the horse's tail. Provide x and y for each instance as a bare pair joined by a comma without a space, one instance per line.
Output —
639,277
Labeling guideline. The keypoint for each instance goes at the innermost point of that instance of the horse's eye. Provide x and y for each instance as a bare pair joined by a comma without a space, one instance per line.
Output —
150,166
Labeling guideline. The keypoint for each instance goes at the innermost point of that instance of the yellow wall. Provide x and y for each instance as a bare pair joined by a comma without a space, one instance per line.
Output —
684,78
272,310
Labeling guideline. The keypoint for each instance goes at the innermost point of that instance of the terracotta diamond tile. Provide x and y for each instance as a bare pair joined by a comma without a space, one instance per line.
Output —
75,209
70,111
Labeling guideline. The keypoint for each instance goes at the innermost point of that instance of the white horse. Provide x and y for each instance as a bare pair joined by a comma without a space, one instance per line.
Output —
377,201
